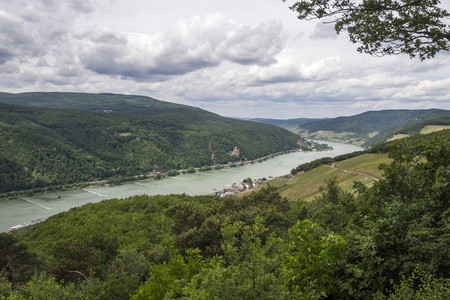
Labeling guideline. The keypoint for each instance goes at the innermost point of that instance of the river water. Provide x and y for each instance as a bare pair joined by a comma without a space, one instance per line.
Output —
18,211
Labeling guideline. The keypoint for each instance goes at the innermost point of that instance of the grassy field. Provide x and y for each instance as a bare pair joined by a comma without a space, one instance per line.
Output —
307,185
432,128
372,134
367,163
397,137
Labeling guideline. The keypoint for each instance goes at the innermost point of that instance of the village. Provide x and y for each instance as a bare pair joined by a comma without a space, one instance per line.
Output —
235,188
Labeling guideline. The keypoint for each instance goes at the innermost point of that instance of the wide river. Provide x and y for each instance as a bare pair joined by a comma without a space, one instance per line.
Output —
18,211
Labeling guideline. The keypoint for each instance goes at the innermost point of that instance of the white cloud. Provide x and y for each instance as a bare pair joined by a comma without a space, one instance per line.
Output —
33,28
213,54
190,45
250,45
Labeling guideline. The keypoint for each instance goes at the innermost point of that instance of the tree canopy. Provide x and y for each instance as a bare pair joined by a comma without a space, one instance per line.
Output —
382,27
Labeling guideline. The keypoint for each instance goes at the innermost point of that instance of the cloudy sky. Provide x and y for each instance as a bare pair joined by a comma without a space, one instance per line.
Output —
246,58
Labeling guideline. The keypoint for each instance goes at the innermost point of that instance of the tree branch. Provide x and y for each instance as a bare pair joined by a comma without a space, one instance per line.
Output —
78,272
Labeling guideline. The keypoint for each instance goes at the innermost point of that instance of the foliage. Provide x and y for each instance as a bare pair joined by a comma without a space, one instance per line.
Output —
169,279
313,259
419,286
416,28
251,264
252,267
43,287
17,264
249,181
402,222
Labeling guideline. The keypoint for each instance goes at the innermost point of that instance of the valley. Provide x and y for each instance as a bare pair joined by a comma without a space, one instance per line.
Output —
323,216
367,128
66,140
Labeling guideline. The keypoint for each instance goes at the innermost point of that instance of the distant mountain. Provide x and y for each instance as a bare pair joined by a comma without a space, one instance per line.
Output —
54,139
288,123
116,103
362,129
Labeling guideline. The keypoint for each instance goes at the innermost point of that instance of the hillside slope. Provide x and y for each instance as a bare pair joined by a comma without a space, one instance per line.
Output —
425,127
42,146
362,129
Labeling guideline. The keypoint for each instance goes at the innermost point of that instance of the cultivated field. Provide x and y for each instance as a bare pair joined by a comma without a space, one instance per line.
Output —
307,185
432,128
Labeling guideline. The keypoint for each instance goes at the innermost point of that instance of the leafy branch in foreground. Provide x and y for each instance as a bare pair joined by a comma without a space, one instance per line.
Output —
383,27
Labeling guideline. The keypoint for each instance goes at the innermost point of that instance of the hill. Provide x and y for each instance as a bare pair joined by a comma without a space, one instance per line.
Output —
102,102
362,129
116,136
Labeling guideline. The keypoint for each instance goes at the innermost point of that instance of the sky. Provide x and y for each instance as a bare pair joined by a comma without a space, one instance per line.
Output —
245,59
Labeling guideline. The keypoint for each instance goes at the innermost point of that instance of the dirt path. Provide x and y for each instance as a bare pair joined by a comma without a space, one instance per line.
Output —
376,177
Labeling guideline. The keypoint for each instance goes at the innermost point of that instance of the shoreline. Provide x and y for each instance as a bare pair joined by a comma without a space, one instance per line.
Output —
156,175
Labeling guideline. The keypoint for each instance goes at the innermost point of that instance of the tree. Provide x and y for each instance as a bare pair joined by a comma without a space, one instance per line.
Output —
382,27
17,264
313,260
402,223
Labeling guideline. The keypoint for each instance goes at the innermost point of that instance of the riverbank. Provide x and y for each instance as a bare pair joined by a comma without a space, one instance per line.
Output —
150,176
17,211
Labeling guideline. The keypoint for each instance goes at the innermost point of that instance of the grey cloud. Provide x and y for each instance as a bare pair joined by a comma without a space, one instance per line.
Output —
288,73
5,55
34,28
14,35
278,79
191,45
102,36
279,74
256,45
102,59
323,31
82,6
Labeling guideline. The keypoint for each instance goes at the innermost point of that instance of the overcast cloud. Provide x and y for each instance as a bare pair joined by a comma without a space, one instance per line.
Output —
236,58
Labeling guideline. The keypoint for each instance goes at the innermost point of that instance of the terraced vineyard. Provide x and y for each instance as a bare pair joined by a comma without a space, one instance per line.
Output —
307,185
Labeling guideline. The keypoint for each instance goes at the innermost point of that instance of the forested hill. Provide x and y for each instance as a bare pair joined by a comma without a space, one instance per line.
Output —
120,136
102,102
362,129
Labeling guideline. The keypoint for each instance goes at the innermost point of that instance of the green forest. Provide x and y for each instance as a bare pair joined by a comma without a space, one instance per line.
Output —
386,241
51,148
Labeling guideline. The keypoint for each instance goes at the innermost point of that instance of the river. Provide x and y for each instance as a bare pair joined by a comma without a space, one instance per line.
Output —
18,211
